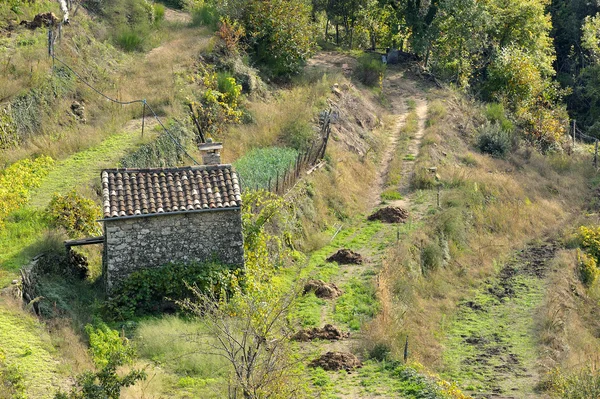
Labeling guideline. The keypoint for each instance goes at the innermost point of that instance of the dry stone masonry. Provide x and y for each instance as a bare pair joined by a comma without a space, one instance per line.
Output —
156,216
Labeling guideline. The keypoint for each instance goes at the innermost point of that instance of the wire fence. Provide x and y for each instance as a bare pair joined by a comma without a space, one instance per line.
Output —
577,134
145,105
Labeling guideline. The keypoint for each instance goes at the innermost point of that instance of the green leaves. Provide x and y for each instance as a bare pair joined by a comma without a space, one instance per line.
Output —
76,214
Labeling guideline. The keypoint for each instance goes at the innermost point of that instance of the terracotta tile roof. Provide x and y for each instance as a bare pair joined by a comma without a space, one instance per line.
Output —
134,192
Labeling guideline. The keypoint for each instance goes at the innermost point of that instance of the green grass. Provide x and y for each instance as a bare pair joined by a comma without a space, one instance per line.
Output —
26,344
84,168
391,195
502,324
261,164
22,230
307,311
357,305
178,347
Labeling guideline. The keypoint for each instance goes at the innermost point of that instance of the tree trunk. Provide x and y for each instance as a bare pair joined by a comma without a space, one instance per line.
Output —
327,30
337,34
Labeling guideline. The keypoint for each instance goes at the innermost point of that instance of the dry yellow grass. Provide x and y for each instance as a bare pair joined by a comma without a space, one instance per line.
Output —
505,204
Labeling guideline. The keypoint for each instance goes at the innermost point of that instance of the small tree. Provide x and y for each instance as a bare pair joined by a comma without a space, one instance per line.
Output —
109,352
76,214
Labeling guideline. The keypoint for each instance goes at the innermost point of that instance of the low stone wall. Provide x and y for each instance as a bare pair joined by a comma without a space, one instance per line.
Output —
144,242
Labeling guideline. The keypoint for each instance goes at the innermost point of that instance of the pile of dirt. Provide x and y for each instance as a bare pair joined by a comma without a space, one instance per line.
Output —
46,19
322,289
346,257
328,332
390,214
334,361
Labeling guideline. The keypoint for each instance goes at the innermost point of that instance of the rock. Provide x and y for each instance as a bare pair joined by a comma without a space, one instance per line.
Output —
322,289
346,257
393,57
78,110
15,281
334,361
390,214
328,332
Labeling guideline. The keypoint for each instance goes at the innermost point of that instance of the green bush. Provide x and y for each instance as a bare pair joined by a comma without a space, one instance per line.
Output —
159,13
110,352
206,15
369,70
495,113
494,140
432,257
588,269
149,291
74,213
298,134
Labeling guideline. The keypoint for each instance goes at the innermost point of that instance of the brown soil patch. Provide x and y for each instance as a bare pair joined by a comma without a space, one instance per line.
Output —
346,257
334,361
390,214
322,289
328,332
46,19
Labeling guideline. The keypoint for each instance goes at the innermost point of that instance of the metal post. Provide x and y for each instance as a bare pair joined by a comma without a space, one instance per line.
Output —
143,116
406,350
574,128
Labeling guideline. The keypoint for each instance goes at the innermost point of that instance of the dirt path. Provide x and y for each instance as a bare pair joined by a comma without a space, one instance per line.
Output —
398,91
370,239
491,347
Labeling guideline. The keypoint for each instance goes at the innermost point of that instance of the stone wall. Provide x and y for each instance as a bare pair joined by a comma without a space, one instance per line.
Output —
144,242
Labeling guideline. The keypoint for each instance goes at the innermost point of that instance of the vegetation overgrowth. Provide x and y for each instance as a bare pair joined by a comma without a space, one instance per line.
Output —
235,72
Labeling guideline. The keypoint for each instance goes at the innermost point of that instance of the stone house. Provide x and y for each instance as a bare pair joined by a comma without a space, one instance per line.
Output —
156,216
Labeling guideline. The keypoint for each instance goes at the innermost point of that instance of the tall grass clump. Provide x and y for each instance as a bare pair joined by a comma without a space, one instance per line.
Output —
129,40
260,165
205,15
369,70
494,140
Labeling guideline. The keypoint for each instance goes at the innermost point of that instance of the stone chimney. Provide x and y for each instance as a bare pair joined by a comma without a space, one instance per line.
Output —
211,152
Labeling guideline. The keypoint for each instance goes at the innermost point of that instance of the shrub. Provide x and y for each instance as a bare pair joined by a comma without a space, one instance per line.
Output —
280,34
495,113
590,240
149,291
588,269
18,179
74,213
369,70
231,33
159,13
110,352
205,15
423,179
432,257
380,352
493,140
297,134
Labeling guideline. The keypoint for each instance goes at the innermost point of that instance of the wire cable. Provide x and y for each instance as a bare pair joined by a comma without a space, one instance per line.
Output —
54,57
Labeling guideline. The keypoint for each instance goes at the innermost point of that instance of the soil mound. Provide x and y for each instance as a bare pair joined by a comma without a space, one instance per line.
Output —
390,214
334,361
46,19
328,332
322,289
346,257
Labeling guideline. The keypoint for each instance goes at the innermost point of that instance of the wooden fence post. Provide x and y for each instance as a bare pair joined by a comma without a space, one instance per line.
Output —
596,155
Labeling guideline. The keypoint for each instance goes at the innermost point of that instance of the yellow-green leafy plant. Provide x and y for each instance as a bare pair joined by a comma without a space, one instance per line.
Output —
76,214
588,268
17,181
